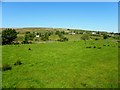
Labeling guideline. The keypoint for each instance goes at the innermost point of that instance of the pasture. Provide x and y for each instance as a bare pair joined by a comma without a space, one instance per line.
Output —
62,65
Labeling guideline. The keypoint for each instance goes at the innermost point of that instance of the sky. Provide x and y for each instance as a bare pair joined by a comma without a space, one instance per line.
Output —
100,16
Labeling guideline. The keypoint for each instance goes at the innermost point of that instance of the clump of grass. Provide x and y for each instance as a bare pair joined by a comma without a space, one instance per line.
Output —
94,47
99,47
88,47
6,67
108,45
96,39
104,45
18,62
29,48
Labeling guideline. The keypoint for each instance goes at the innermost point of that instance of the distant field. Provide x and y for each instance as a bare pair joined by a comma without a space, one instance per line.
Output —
62,65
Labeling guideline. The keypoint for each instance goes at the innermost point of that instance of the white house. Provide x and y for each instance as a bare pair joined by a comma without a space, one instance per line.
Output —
93,33
37,36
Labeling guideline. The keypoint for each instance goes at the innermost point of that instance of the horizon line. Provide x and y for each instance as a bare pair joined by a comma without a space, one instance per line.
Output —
60,28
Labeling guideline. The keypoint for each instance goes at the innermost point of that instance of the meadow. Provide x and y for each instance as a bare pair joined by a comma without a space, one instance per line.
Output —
71,64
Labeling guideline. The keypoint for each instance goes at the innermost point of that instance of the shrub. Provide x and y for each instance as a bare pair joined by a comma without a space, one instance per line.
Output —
96,39
94,47
108,45
18,62
85,37
89,46
104,45
105,36
29,48
6,67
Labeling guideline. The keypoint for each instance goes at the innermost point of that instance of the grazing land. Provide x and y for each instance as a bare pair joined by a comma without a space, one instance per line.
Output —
74,63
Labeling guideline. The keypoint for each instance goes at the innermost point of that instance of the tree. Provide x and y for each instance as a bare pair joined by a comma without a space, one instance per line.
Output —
28,38
45,37
62,38
8,36
105,36
85,37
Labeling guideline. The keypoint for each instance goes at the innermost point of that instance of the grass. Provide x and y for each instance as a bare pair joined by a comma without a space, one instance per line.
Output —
61,65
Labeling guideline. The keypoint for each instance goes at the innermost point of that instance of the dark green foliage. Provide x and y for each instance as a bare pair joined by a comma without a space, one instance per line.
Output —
18,62
29,48
105,36
99,47
88,47
104,45
27,32
85,37
62,38
117,37
108,45
63,32
8,36
57,32
83,84
94,47
6,67
45,37
96,39
28,38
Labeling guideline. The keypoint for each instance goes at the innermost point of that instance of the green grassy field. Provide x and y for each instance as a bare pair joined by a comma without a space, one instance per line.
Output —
62,65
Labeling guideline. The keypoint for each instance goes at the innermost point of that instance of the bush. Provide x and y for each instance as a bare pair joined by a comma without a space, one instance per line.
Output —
18,62
85,37
96,39
105,36
94,47
6,67
29,48
104,45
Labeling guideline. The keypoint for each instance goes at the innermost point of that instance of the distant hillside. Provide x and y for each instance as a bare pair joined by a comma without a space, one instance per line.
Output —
41,29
